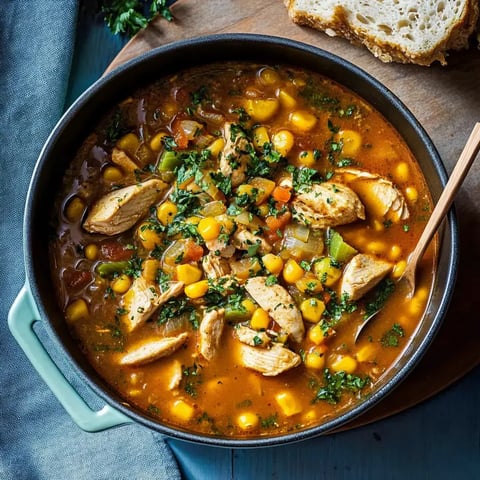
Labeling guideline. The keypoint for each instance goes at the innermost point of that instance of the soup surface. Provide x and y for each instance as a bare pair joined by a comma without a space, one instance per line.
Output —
221,235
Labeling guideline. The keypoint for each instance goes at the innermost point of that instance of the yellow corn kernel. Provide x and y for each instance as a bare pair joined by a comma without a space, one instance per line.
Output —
193,220
249,306
282,337
134,392
166,212
182,410
121,284
112,174
148,238
216,147
303,120
287,101
260,319
268,76
317,334
366,353
312,309
309,416
306,158
197,289
344,363
273,263
129,143
74,209
77,310
283,142
417,303
412,194
395,252
263,210
292,271
378,226
246,189
264,188
401,172
261,109
209,228
150,268
260,137
247,421
326,272
289,404
91,251
399,268
315,358
309,284
157,141
351,141
188,274
376,247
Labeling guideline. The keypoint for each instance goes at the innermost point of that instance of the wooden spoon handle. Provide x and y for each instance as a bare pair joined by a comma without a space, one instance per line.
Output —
461,169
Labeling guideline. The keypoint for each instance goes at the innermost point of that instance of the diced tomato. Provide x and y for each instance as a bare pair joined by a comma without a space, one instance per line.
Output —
193,252
115,251
274,224
76,279
179,134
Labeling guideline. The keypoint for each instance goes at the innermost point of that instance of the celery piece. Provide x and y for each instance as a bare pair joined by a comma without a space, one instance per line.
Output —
236,313
169,161
108,269
338,249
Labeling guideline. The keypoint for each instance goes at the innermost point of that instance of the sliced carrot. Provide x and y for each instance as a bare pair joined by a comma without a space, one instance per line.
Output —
193,252
274,224
281,194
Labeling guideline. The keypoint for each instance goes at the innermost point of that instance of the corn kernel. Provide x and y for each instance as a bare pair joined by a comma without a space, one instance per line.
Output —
303,120
112,174
197,289
315,358
287,101
309,416
376,247
193,220
121,284
268,76
134,392
150,268
309,284
344,363
327,273
351,141
273,263
263,210
261,109
366,353
378,226
166,212
417,303
91,251
188,274
182,410
246,189
399,268
247,421
289,404
148,238
216,147
292,271
283,142
317,334
401,172
306,158
129,143
412,194
395,252
77,310
209,228
75,209
260,319
248,305
312,309
260,137
157,141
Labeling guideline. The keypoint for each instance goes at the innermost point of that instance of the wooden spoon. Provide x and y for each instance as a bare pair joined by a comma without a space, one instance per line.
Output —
459,173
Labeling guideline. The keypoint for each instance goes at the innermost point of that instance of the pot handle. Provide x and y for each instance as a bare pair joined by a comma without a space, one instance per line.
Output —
22,316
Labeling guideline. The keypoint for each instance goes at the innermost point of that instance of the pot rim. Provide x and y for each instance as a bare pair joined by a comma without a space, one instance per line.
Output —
250,42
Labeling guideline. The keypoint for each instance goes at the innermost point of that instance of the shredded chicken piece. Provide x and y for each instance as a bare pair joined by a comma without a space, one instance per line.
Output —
252,337
235,157
269,361
244,239
120,158
210,332
215,267
279,304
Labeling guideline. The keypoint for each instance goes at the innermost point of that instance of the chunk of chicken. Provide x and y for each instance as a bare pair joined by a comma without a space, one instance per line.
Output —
244,240
269,361
379,194
210,332
143,299
148,351
327,205
121,159
252,337
235,155
175,374
220,247
214,266
119,210
362,273
279,304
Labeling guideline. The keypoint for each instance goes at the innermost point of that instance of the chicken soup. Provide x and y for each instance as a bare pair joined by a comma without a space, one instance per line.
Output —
222,234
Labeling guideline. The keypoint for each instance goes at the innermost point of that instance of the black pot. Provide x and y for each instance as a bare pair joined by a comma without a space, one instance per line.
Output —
73,128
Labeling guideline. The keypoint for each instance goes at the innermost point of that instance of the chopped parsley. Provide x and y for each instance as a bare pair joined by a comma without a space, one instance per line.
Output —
335,384
392,337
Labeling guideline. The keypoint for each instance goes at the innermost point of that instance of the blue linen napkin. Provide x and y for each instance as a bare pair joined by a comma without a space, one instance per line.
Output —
38,440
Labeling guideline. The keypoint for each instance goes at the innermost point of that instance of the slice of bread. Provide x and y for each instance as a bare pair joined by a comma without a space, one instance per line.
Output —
406,31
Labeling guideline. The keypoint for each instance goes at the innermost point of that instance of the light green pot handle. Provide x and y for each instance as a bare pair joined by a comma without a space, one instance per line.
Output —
22,316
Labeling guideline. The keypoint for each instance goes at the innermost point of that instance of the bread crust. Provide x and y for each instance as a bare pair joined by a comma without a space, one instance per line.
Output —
456,38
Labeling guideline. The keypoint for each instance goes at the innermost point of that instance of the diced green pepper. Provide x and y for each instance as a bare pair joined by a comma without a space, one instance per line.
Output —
338,249
236,313
109,269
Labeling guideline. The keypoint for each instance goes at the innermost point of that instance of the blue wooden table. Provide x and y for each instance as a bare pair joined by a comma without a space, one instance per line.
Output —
438,439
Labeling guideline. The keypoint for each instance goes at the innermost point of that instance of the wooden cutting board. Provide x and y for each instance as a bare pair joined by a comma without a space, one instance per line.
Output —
446,101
